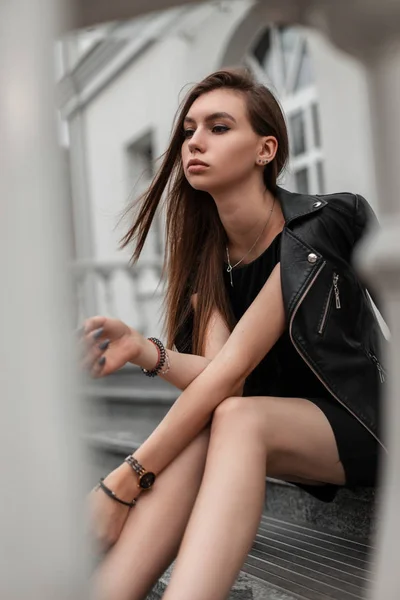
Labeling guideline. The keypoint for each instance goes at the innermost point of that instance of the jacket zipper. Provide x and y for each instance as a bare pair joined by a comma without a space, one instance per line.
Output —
310,366
334,288
371,355
381,370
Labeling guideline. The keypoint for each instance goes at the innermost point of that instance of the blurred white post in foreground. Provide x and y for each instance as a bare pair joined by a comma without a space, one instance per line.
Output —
41,518
381,262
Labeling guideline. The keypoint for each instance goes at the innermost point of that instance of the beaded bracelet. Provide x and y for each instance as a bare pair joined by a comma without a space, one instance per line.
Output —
167,368
162,359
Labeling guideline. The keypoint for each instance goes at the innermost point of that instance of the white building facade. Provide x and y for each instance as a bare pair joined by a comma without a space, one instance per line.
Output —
120,88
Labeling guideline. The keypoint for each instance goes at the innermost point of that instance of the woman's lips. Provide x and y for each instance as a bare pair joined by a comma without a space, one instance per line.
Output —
197,168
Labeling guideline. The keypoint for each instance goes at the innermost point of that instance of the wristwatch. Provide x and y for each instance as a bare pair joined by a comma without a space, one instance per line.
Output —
146,478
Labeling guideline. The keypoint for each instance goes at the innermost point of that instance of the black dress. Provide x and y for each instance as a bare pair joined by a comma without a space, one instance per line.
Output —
284,373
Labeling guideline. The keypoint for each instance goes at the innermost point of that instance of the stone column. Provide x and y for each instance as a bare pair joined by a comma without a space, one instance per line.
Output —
42,520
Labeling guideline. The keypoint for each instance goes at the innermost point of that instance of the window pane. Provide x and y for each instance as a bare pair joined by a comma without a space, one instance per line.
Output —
320,178
316,128
296,124
301,178
263,47
305,76
288,38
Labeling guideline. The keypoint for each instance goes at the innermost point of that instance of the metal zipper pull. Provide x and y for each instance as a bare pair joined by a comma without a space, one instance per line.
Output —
381,370
336,289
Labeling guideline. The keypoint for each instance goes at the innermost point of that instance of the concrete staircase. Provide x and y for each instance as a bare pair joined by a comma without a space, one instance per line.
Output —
304,549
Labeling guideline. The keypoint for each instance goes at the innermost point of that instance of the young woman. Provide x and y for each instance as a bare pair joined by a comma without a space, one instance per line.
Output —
278,351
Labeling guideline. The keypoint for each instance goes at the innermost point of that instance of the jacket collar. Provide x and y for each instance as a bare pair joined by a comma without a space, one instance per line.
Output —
297,205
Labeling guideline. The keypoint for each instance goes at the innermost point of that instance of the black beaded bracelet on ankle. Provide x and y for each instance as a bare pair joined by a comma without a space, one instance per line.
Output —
102,486
162,358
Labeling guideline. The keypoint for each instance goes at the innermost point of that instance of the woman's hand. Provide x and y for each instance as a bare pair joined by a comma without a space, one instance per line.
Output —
107,516
108,344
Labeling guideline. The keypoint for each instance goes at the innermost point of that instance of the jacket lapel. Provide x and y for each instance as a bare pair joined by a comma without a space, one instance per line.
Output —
295,206
300,262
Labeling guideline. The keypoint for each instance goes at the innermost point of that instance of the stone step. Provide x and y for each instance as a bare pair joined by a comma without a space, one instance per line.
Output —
351,513
313,562
292,562
127,401
129,383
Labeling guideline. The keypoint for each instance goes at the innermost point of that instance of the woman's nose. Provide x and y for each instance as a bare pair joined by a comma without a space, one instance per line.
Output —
196,142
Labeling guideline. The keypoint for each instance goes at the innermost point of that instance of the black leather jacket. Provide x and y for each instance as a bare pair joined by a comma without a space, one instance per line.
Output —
330,318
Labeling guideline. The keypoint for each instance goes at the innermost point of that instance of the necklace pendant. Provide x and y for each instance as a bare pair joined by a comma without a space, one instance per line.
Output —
230,275
229,270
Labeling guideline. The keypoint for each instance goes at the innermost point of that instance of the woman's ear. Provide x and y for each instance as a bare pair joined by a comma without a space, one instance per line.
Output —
268,150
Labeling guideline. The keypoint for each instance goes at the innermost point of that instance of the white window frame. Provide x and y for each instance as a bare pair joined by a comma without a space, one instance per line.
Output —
292,102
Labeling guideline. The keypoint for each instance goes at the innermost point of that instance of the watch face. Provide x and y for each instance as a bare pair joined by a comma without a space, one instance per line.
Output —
147,480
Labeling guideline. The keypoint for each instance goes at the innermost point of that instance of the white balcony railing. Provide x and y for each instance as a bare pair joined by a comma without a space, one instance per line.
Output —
117,289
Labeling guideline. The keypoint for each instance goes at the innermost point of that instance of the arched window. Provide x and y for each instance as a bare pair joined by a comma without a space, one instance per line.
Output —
281,60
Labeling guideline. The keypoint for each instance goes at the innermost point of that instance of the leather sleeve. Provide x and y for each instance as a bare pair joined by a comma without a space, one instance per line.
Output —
364,219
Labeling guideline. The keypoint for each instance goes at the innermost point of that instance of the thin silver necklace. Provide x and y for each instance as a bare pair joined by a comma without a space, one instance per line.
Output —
231,267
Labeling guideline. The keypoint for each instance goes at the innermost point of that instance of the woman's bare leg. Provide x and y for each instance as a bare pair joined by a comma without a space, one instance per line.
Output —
249,436
153,532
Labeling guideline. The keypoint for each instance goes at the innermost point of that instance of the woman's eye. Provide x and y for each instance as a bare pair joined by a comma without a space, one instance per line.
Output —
216,129
222,128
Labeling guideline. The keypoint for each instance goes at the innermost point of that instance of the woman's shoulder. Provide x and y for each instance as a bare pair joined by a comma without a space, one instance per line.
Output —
345,202
350,210
337,222
341,206
353,205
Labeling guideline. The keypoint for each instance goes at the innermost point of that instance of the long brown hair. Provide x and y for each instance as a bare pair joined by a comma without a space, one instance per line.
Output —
195,238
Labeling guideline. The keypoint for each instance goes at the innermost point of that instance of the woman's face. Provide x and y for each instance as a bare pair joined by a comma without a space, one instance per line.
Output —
218,133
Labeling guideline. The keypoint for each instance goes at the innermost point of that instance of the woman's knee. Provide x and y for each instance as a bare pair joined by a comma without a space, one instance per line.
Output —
242,410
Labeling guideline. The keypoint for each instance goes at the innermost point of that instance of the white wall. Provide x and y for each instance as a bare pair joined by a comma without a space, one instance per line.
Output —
124,111
345,123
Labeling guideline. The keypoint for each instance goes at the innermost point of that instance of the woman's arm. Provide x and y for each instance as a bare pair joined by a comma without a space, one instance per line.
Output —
186,367
253,337
108,517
